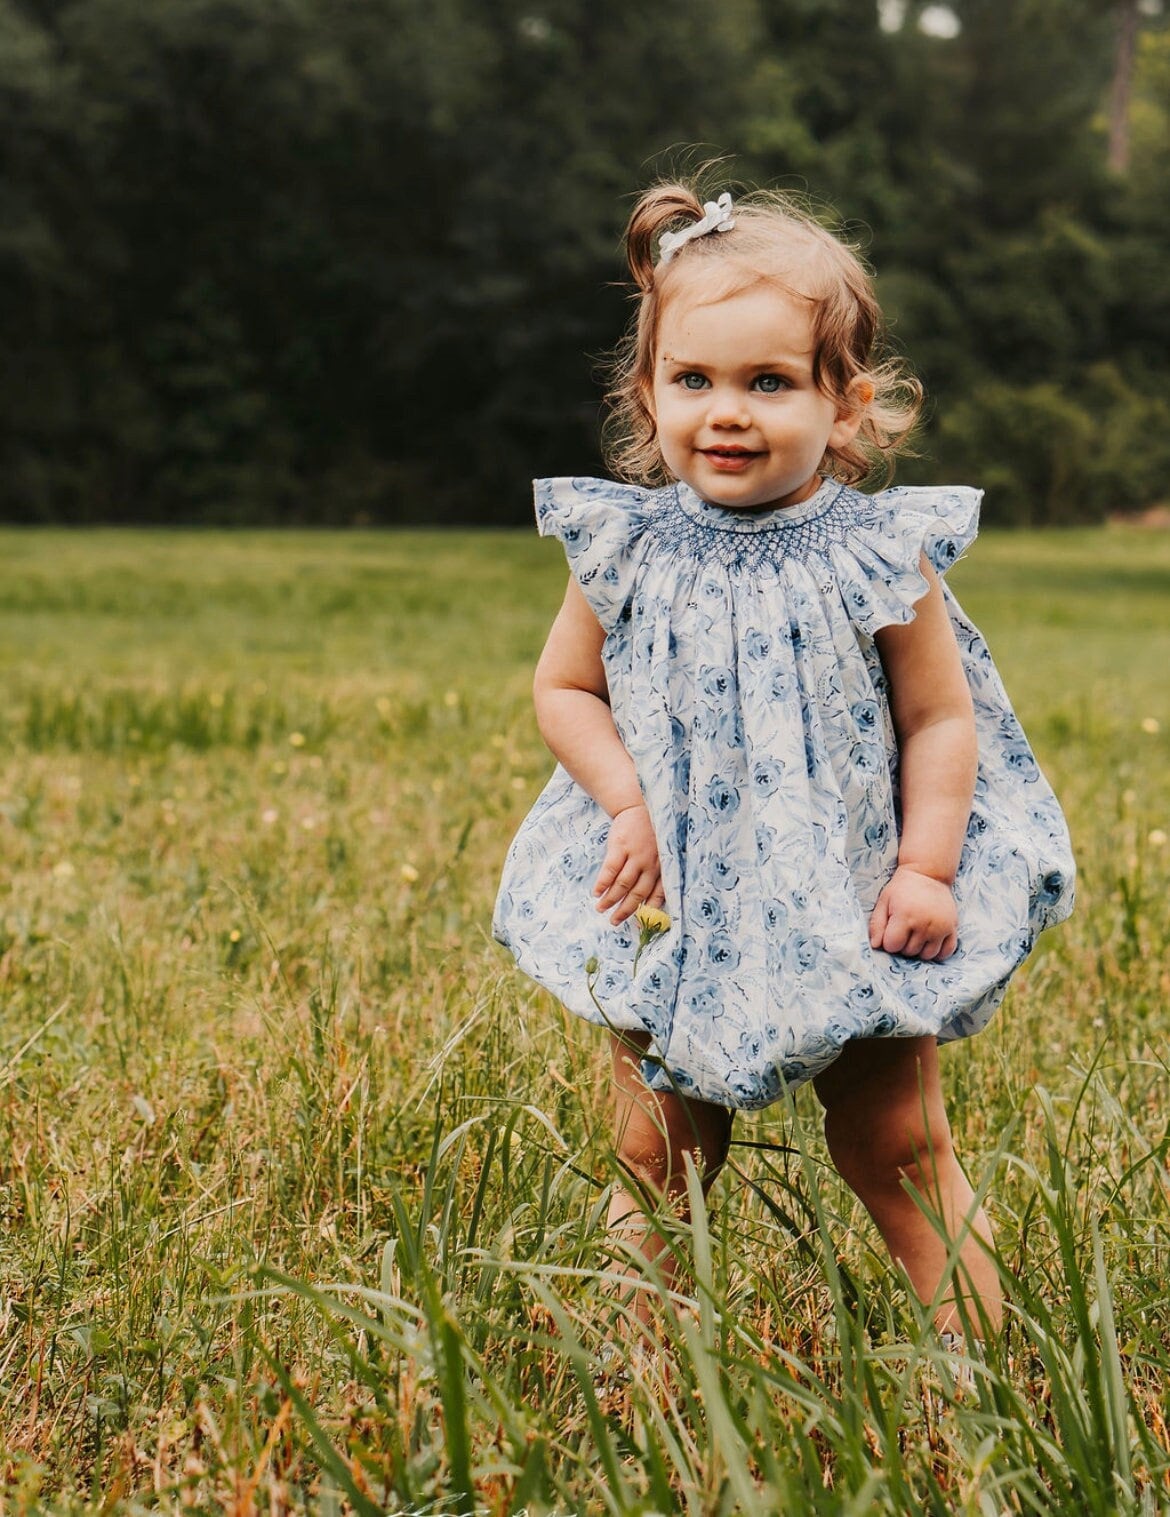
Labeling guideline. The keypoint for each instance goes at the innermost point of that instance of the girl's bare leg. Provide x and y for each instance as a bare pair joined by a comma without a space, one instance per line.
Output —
885,1123
653,1131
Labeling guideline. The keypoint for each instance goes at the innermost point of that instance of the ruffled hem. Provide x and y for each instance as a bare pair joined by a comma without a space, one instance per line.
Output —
878,567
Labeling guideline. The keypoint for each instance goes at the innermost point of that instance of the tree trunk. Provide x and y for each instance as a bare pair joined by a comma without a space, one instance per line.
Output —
1122,87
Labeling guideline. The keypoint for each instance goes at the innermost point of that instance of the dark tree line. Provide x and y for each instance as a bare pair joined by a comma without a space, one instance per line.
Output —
338,260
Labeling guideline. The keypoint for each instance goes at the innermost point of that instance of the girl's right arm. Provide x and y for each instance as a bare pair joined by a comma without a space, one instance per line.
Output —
572,711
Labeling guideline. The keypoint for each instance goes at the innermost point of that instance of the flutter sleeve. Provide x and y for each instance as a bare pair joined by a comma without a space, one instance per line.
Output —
602,527
878,566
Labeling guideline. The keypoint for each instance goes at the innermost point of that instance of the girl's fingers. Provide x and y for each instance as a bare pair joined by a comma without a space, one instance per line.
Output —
617,889
877,923
639,896
627,898
616,874
919,946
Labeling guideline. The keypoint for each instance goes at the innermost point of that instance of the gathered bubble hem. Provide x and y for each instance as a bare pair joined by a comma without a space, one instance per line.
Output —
745,682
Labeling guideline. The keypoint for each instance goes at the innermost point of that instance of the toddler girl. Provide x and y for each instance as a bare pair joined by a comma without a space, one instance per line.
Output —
774,723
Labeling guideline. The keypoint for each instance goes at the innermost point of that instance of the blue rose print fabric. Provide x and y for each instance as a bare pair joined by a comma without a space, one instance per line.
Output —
745,683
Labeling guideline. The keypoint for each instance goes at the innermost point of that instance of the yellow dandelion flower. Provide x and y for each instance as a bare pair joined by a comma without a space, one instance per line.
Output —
409,873
652,920
1151,724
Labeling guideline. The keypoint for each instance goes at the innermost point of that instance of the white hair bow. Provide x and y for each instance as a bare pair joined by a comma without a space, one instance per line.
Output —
717,218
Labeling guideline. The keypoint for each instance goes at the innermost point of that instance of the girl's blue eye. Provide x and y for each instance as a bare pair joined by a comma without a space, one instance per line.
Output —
770,384
692,381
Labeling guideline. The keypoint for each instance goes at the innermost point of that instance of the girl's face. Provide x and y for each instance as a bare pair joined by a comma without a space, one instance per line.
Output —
738,414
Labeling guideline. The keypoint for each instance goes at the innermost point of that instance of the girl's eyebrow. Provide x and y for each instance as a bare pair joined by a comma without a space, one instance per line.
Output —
793,362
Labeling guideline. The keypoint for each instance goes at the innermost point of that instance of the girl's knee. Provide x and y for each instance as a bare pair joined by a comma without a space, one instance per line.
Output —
885,1118
653,1152
907,1143
645,1159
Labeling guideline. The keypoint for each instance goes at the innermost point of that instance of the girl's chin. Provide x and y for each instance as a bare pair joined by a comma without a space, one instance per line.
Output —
722,492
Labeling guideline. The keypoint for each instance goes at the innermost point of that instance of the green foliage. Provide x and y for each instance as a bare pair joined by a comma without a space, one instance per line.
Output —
303,1185
289,260
1049,458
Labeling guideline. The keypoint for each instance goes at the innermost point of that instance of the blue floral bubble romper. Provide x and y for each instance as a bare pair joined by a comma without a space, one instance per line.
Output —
746,685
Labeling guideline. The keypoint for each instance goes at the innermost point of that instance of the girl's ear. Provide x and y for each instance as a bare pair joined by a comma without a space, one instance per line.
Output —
851,410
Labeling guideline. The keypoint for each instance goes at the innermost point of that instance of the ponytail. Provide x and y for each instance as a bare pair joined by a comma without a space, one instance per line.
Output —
661,209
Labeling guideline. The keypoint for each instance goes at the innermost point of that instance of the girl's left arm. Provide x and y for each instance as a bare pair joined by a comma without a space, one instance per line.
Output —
935,725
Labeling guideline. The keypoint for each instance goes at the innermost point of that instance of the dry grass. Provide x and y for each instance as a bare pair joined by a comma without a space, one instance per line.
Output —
300,1181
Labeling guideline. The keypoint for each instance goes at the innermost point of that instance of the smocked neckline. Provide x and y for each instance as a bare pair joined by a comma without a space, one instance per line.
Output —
729,519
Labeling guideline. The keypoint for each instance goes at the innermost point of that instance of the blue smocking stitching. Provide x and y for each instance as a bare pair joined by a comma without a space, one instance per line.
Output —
770,542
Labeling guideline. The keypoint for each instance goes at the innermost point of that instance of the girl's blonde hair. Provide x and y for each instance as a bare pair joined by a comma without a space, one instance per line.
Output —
774,240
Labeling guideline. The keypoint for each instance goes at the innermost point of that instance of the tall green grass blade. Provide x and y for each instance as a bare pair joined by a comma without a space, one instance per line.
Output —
458,1436
1116,1400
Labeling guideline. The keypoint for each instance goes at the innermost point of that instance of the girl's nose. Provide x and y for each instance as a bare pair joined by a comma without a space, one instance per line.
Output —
727,408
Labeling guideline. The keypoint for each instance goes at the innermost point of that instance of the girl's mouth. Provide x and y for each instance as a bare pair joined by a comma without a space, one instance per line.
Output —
729,460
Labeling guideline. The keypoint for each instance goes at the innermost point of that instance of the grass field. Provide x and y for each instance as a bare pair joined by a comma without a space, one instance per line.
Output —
301,1182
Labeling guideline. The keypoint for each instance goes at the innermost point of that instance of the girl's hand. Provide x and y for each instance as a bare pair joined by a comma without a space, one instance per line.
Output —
915,915
630,875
